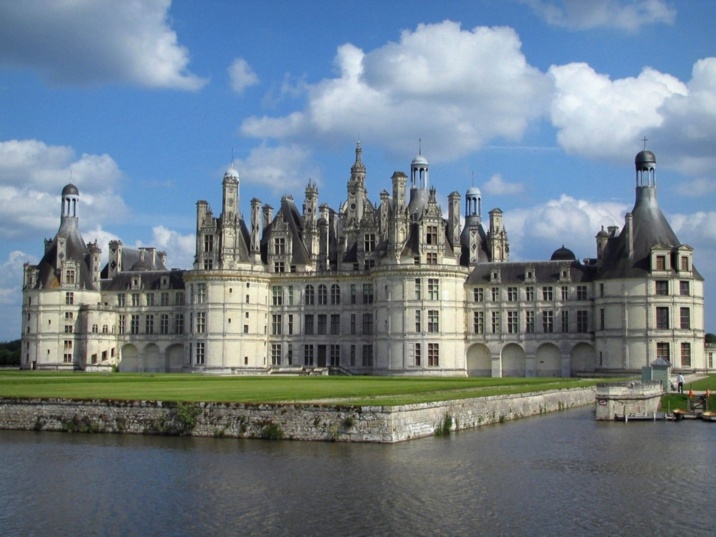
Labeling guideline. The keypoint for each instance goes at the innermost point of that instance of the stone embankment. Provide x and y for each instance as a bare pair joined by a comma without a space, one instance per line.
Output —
294,421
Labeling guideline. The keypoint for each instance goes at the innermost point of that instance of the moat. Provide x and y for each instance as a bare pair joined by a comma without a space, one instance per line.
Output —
558,474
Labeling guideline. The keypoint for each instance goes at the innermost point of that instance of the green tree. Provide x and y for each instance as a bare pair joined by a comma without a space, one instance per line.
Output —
710,338
10,353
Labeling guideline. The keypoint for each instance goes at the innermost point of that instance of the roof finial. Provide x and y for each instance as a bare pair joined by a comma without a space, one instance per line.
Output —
420,146
473,177
645,139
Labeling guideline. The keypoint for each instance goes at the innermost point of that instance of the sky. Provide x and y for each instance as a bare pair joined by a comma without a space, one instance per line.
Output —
541,104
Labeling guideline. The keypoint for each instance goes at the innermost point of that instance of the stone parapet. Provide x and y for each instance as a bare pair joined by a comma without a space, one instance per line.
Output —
624,399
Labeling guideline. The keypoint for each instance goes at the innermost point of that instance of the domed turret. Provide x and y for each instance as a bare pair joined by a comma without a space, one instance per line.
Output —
70,190
231,173
645,164
563,254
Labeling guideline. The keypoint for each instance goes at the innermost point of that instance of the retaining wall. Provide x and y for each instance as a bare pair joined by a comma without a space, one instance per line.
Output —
631,398
282,420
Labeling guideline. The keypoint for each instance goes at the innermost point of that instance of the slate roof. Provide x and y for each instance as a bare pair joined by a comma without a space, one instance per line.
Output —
49,272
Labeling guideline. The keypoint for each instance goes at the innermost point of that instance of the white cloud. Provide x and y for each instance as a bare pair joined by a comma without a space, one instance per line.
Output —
96,42
621,14
497,186
697,188
180,248
283,169
11,274
242,76
457,89
535,232
32,175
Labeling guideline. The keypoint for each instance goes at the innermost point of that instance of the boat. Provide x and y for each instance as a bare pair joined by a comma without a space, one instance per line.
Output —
708,416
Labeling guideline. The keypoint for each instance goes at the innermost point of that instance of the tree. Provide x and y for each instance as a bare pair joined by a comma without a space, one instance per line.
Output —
10,353
710,338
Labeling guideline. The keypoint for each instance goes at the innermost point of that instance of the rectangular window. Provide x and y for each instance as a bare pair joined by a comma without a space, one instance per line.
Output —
164,323
368,242
322,324
686,355
200,293
418,320
200,353
417,353
70,279
290,324
134,324
276,325
684,289
367,293
353,355
122,324
149,324
69,299
279,246
548,321
433,289
582,321
431,258
150,299
135,299
289,292
335,294
512,294
547,293
353,324
275,354
662,351
69,329
121,300
433,354
353,293
660,262
478,322
179,323
529,293
164,299
581,292
478,294
279,266
208,243
277,295
335,324
433,321
308,355
662,318
565,321
335,354
530,322
512,324
431,237
289,354
685,264
565,292
179,298
418,284
201,322
662,287
367,355
68,344
495,291
367,324
308,324
685,318
495,322
602,323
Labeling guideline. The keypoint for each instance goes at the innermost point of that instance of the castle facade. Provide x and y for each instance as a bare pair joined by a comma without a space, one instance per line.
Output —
393,288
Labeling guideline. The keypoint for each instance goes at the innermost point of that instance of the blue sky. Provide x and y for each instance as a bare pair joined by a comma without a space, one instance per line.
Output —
542,103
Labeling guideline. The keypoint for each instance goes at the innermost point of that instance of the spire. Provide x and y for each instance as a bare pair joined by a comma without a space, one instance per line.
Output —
358,167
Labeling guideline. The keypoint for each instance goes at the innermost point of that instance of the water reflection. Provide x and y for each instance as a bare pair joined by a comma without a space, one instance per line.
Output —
561,474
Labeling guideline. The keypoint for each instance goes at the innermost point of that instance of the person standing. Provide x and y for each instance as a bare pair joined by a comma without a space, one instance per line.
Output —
680,383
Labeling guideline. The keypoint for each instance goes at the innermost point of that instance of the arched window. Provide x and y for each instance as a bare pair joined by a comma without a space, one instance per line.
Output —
335,294
105,329
94,328
322,295
310,295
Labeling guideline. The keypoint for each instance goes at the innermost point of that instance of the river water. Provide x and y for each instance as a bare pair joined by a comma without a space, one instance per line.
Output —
560,474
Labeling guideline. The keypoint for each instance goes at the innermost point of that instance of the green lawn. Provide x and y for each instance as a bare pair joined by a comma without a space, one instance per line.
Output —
385,391
673,401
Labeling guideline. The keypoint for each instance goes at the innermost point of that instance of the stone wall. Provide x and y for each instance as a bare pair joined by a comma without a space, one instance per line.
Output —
627,399
288,421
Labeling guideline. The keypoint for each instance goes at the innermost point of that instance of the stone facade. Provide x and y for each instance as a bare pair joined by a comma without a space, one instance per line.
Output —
627,399
391,288
287,421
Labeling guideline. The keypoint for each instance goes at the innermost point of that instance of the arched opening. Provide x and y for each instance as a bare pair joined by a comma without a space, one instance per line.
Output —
479,361
513,361
151,359
583,359
129,359
175,358
548,361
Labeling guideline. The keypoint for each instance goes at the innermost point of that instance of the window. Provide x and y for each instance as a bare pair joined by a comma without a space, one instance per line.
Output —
547,293
279,266
685,263
289,354
548,321
529,293
581,292
431,258
662,351
201,293
660,262
310,296
478,322
121,300
308,355
353,355
369,242
199,353
290,295
418,319
122,324
686,355
276,325
275,354
69,329
417,289
512,294
353,324
685,318
416,353
149,324
582,321
662,318
367,324
68,344
179,323
495,292
308,325
367,293
69,315
322,324
335,354
70,279
179,298
208,264
367,355
105,329
277,295
322,295
433,354
164,323
478,294
164,298
150,299
335,324
684,289
433,321
530,322
335,294
208,243
135,299
565,321
602,323
201,322
565,292
67,358
512,325
353,293
433,289
662,287
134,324
279,246
290,324
431,237
495,322
69,299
